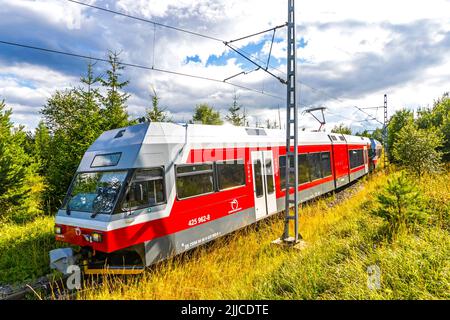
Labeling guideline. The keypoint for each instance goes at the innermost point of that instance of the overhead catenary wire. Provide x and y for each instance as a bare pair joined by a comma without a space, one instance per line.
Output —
178,28
241,52
369,115
147,20
82,56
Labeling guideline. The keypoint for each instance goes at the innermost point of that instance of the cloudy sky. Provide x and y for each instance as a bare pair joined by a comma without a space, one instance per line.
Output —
350,53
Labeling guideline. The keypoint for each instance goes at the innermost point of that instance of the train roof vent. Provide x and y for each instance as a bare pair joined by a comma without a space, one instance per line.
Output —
256,132
342,138
333,138
120,134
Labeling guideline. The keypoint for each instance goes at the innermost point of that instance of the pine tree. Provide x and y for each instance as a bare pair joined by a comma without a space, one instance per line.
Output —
90,99
157,114
14,164
42,147
73,120
114,102
400,204
234,116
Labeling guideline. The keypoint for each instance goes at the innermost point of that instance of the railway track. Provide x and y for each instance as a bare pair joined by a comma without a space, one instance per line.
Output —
44,288
48,288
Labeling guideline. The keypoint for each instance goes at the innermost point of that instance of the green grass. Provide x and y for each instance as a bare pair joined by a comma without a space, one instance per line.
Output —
412,267
24,250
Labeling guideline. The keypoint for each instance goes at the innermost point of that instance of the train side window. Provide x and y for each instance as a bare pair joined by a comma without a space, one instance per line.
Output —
314,166
194,180
303,169
146,189
257,164
356,158
326,164
230,174
269,176
282,165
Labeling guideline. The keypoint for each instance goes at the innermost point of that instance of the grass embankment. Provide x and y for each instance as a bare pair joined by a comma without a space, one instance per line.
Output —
24,250
343,241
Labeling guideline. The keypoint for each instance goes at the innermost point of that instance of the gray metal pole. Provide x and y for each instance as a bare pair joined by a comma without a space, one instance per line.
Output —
291,130
385,133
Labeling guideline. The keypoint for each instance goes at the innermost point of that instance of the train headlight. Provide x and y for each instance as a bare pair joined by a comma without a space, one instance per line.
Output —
58,230
96,237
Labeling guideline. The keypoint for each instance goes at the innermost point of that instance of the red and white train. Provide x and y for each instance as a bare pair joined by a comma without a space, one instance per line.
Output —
153,190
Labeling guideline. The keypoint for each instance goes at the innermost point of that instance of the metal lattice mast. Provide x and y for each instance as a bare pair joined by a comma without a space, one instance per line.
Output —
385,131
291,130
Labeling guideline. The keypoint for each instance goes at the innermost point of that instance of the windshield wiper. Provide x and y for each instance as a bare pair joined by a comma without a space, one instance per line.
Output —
107,196
95,205
96,209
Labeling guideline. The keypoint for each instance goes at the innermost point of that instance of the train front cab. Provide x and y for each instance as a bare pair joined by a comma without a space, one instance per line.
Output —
374,154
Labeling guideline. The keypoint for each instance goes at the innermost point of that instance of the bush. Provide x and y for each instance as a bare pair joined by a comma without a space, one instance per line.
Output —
417,149
400,204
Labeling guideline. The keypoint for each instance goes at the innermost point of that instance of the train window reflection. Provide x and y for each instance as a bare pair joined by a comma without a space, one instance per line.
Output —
230,174
194,180
146,189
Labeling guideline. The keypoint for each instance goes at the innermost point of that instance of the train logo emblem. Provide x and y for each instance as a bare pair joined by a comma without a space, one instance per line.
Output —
234,206
78,231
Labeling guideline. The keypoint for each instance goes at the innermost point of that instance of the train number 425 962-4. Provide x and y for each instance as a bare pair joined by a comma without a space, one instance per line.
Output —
199,220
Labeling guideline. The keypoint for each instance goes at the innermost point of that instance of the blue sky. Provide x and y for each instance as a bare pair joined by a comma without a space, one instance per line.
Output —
350,54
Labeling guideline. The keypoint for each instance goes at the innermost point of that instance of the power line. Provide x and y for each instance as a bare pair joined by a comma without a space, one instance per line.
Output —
259,67
147,21
241,52
238,51
75,55
180,29
369,115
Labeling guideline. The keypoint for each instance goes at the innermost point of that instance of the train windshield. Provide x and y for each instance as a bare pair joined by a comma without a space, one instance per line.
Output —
95,192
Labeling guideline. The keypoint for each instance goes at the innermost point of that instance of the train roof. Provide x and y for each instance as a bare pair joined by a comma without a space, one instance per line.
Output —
161,132
133,144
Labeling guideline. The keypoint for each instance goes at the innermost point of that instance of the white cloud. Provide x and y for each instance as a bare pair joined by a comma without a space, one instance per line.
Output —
341,36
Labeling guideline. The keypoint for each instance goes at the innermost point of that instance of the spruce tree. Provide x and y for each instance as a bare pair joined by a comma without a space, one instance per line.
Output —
157,114
114,112
14,164
73,120
234,116
400,204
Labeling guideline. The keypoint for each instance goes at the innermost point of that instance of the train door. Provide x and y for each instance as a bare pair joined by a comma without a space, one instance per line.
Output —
264,183
366,160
